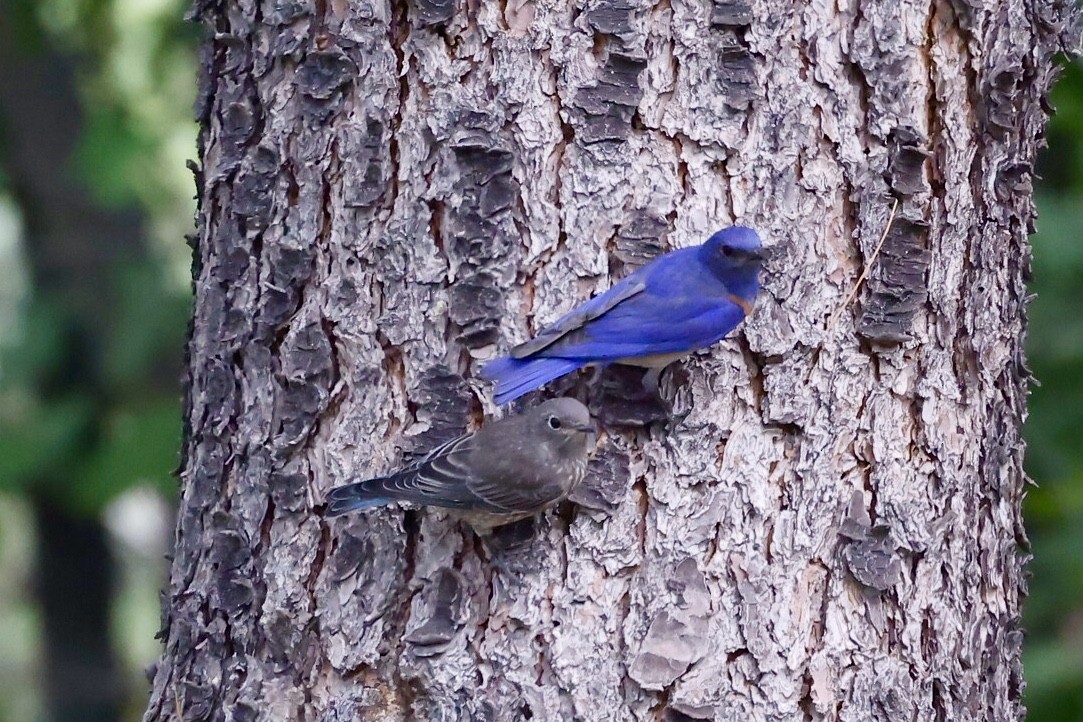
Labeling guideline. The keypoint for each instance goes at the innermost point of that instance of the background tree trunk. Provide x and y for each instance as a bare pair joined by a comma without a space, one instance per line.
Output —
73,249
827,527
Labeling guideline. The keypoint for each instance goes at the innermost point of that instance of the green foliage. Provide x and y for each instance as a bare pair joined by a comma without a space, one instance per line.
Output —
145,343
139,445
89,399
109,155
34,437
1053,615
35,350
84,445
1062,165
81,420
1055,342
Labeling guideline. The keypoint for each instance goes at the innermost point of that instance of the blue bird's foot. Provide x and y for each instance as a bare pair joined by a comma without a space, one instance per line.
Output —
650,381
623,400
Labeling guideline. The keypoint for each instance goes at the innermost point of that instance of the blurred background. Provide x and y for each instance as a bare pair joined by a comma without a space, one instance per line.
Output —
95,202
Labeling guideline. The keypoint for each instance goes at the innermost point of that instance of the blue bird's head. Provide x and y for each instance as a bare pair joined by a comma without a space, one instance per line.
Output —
735,257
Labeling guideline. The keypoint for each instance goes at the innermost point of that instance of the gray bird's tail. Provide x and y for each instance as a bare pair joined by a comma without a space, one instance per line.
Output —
362,495
514,377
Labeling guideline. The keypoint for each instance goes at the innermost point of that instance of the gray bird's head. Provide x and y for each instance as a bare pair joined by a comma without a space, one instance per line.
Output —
565,422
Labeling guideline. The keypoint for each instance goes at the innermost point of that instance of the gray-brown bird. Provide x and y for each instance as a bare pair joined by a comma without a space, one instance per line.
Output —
505,471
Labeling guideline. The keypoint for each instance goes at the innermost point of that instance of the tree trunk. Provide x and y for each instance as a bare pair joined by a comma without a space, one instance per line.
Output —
827,526
82,679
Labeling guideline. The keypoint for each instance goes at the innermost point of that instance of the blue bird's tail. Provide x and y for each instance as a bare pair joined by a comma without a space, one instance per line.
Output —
515,377
353,497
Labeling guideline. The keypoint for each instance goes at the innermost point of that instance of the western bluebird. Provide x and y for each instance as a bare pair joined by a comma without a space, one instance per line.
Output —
505,471
685,300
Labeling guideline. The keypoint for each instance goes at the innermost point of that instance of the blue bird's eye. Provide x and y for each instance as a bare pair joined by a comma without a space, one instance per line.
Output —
727,251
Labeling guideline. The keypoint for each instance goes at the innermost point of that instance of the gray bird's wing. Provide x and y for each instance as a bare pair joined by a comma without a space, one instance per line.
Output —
440,478
496,479
517,496
582,315
518,471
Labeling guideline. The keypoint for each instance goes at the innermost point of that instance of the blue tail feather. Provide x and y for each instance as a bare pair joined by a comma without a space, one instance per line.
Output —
353,497
515,377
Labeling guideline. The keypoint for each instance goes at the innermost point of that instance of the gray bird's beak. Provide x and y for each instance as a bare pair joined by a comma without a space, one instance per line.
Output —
589,428
592,436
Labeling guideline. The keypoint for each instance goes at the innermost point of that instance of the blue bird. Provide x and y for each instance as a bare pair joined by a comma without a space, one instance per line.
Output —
685,300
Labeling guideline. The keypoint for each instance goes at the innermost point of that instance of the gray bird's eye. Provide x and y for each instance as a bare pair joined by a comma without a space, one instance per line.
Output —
554,423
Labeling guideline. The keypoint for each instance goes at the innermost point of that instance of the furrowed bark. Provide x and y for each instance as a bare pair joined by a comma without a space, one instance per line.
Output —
827,525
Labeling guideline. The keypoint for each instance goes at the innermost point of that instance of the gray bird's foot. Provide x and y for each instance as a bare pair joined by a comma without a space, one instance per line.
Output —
511,547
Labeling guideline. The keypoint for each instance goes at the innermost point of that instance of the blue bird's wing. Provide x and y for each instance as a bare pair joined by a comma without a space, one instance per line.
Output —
649,325
582,315
526,367
672,305
514,377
